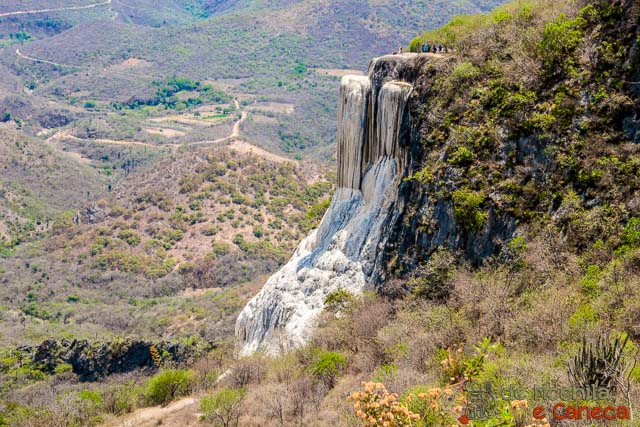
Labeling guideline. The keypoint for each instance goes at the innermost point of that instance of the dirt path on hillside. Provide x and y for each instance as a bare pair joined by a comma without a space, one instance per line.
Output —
235,131
64,135
233,139
59,9
44,61
82,67
181,413
236,127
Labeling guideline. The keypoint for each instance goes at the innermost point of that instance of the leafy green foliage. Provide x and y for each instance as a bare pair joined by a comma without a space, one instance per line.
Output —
222,408
415,45
631,233
467,209
130,236
338,300
169,384
328,366
559,41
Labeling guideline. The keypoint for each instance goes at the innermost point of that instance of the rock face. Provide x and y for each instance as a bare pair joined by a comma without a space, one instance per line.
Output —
344,251
92,361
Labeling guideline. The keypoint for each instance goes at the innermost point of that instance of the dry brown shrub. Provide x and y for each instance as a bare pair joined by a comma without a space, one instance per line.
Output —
406,377
420,327
540,322
248,370
283,404
484,301
356,331
335,409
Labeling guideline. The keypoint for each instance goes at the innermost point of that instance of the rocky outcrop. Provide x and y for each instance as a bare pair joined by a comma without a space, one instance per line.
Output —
345,249
92,361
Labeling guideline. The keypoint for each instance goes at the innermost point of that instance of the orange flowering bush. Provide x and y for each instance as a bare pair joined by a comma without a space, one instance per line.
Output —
436,406
418,407
457,367
379,408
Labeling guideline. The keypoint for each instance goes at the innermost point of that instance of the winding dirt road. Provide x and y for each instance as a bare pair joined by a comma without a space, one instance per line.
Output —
181,413
59,9
235,135
64,135
44,61
235,132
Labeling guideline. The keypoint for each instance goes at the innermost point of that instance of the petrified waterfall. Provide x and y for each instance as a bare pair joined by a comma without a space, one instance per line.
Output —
343,251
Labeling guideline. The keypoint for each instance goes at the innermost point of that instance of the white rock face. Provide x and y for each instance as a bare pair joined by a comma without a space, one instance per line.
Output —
342,252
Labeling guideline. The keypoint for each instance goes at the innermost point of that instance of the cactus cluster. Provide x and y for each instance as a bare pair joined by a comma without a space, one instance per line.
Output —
598,364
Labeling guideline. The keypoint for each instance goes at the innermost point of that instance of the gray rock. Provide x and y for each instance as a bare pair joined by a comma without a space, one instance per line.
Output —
345,249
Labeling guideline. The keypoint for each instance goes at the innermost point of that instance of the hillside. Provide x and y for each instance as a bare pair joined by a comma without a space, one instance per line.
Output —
38,183
162,160
508,256
171,229
504,175
259,51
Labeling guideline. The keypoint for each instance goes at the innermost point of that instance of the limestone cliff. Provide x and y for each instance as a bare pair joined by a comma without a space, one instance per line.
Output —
344,252
462,153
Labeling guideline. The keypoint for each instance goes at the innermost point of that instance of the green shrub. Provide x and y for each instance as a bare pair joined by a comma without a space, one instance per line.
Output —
466,71
462,156
328,367
122,399
560,39
220,248
258,231
338,300
223,407
384,372
169,237
131,237
415,45
91,396
457,30
424,176
631,233
466,208
589,283
35,310
121,261
62,368
186,267
417,406
584,318
158,269
432,281
314,215
167,385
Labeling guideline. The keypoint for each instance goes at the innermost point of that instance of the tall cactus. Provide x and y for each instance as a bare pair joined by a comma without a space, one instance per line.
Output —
598,365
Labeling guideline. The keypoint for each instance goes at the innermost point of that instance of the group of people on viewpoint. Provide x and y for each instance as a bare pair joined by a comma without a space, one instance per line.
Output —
435,48
428,48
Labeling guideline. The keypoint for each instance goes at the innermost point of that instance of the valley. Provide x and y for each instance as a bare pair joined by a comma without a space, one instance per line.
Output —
250,212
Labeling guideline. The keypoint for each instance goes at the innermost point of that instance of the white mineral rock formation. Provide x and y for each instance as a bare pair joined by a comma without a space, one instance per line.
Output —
342,252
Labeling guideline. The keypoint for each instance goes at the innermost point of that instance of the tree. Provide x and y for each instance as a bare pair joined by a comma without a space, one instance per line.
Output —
415,45
167,385
328,367
223,407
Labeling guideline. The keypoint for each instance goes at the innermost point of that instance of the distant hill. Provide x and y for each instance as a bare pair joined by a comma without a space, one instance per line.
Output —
262,49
